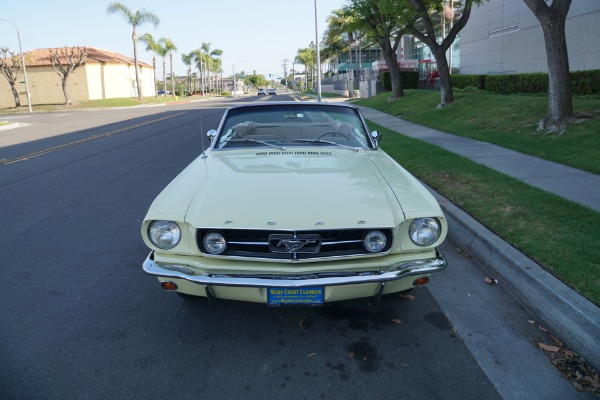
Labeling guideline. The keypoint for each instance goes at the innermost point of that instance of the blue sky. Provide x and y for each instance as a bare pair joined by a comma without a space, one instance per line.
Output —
261,32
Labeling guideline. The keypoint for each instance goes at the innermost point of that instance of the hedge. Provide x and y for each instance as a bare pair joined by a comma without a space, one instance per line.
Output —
517,83
585,82
582,82
464,81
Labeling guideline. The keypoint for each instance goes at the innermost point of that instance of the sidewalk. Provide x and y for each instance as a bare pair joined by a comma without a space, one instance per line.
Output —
572,317
569,183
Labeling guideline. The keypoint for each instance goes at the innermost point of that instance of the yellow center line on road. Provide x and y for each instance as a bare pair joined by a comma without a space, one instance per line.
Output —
62,146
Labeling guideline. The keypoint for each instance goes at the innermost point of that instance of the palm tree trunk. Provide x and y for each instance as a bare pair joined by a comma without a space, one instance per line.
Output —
164,76
135,64
155,83
172,78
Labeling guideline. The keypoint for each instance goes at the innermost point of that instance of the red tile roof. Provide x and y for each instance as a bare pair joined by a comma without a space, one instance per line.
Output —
41,57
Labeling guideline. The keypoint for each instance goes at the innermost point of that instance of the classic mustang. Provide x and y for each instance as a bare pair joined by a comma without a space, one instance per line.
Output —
294,203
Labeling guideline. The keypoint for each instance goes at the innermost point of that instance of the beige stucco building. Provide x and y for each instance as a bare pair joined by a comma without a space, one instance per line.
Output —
104,75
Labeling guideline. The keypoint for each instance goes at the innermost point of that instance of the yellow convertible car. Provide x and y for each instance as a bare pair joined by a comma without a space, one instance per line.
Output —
294,203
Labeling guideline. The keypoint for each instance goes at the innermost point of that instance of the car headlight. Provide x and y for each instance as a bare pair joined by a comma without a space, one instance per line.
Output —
374,241
164,234
215,243
424,231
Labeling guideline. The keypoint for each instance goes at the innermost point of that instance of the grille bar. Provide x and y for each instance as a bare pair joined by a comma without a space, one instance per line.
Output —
292,245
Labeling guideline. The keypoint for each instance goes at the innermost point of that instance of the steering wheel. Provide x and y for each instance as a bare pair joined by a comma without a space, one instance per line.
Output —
333,133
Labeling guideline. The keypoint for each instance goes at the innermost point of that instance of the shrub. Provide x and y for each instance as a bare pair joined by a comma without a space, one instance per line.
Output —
582,82
585,82
468,80
517,83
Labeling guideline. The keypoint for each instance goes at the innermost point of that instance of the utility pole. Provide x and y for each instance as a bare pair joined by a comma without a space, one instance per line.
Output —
318,54
27,92
284,65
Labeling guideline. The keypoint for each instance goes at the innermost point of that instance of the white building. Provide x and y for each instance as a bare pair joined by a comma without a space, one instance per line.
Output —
503,36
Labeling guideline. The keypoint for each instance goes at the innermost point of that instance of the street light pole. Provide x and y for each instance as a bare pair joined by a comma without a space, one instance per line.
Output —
22,62
318,54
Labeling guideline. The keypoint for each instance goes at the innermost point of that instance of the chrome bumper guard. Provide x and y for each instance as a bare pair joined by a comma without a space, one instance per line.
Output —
402,270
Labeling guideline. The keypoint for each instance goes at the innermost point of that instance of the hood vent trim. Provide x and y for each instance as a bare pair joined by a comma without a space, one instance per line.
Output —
299,153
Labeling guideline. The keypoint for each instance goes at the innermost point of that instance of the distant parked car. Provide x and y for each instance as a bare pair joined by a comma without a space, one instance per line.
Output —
162,93
261,92
272,91
293,204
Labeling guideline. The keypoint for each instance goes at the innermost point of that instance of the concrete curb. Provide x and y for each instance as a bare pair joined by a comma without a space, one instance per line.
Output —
570,316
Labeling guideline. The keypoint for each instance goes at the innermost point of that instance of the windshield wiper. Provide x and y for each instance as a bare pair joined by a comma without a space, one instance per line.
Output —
257,141
320,141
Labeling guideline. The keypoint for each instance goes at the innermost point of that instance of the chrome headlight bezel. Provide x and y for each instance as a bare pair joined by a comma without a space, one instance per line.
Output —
164,234
375,241
425,231
214,243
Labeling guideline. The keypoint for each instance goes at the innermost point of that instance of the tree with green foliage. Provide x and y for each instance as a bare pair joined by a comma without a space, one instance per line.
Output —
341,22
333,46
217,66
307,57
65,62
552,18
188,59
384,22
163,51
206,60
199,63
154,47
423,14
135,18
256,80
169,47
10,66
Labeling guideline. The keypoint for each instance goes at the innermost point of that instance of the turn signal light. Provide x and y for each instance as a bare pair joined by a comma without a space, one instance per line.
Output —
421,281
168,285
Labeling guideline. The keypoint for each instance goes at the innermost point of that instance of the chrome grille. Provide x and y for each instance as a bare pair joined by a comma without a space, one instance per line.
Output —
292,245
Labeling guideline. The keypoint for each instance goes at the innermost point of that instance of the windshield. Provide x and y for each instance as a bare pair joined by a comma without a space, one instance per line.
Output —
285,126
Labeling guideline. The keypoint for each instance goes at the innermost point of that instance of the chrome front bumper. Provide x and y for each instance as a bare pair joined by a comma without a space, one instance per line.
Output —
402,270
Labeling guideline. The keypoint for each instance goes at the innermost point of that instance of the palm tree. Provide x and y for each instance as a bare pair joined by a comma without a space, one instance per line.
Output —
135,18
205,48
162,51
154,47
218,63
199,62
334,46
188,59
170,47
306,57
343,21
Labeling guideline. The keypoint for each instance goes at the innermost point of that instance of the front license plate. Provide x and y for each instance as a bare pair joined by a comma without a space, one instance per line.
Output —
311,296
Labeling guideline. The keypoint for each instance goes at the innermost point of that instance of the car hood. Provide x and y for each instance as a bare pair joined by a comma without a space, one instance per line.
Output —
290,190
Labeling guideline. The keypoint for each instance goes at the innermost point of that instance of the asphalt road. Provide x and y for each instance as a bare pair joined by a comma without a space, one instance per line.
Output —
80,319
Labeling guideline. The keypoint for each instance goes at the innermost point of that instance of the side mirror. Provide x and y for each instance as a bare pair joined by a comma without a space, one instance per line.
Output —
376,136
211,134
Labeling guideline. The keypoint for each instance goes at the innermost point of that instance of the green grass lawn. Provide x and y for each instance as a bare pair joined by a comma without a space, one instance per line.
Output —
559,235
508,121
